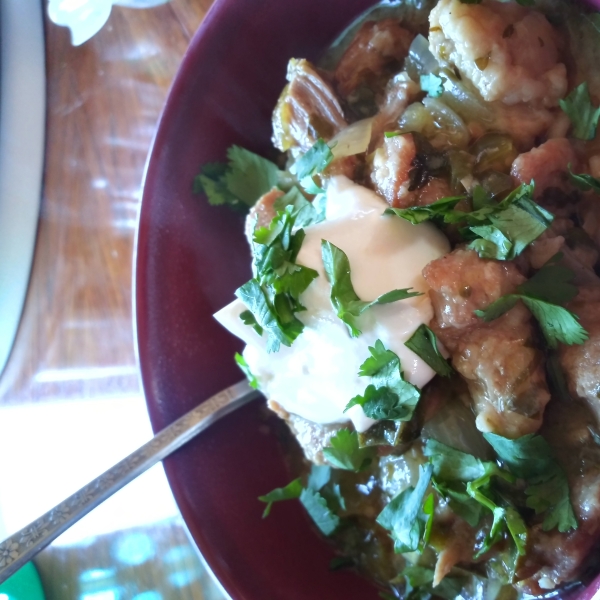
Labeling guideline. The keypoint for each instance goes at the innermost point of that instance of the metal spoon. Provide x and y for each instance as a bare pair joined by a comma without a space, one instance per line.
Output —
21,547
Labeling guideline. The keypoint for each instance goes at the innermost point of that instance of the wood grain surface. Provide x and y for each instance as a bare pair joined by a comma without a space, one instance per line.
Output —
75,342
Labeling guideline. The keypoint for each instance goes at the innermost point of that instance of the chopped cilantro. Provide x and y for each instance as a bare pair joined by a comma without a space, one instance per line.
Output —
240,182
432,84
272,296
531,458
248,319
418,214
465,481
311,163
278,321
389,395
290,491
424,344
419,584
583,115
319,476
552,283
243,365
313,500
343,297
542,295
405,518
345,453
503,230
304,212
556,377
584,182
316,506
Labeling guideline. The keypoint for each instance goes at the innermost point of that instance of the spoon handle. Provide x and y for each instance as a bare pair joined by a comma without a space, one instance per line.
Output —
21,547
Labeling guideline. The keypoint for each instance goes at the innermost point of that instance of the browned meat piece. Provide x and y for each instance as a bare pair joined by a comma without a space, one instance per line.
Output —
502,367
307,109
376,52
262,213
581,363
391,175
546,165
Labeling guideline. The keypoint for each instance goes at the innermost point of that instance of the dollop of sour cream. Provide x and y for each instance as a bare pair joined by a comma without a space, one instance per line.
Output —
317,375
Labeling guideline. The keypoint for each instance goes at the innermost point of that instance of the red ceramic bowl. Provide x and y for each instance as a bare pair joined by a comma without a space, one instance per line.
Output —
190,259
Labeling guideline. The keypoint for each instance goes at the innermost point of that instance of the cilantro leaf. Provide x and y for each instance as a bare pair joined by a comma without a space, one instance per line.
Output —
311,163
388,396
583,115
280,324
510,226
542,294
531,458
432,84
240,182
243,365
290,491
450,464
464,480
492,243
552,283
249,175
423,343
419,214
557,323
316,506
304,212
248,319
319,476
404,517
344,452
584,182
343,297
272,296
419,584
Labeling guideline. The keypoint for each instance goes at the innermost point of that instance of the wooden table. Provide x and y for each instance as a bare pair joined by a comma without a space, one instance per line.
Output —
74,354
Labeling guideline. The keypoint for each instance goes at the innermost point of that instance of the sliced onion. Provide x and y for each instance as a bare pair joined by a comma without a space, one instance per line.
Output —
451,128
420,60
352,140
465,101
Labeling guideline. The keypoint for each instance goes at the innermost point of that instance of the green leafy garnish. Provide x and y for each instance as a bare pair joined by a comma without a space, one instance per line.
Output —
432,84
423,343
542,294
243,365
289,492
305,213
503,230
389,395
240,182
584,182
314,498
419,214
466,483
345,453
343,297
272,296
584,116
316,506
311,163
405,518
419,584
319,476
530,458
